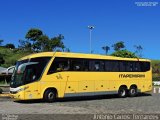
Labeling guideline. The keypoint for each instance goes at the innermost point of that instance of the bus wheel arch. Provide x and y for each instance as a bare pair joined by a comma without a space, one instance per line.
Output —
122,91
50,94
133,90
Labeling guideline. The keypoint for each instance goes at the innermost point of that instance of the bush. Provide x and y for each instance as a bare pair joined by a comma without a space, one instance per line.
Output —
124,54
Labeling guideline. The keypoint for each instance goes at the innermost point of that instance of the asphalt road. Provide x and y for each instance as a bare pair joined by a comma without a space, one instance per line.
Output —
108,104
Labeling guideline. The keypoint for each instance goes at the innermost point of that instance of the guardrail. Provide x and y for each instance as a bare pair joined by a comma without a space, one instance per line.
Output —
4,88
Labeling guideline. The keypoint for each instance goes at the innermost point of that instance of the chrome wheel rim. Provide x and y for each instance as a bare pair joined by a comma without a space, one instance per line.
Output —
133,91
123,92
51,95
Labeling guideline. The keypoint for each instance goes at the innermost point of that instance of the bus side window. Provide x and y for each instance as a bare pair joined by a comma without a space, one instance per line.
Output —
102,66
86,65
129,66
115,66
97,66
59,64
122,66
107,66
137,67
145,66
77,65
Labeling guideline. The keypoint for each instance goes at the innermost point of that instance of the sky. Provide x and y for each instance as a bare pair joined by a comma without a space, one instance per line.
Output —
114,20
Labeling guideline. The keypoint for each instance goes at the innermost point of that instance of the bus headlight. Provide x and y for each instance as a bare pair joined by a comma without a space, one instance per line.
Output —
18,89
22,89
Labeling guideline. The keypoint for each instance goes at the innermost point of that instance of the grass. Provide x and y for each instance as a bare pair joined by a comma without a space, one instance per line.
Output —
156,70
11,55
3,83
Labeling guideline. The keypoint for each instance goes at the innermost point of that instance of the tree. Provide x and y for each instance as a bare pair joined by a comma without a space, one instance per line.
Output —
1,42
39,42
106,49
43,43
139,50
124,54
57,42
10,45
118,46
25,45
33,34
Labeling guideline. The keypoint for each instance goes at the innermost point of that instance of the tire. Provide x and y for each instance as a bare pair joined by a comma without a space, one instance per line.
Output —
49,96
132,91
122,92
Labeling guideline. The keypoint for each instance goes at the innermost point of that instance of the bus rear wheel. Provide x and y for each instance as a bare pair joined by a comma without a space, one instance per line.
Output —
49,96
122,92
133,91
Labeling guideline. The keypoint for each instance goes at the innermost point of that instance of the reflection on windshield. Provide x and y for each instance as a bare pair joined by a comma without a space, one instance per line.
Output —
28,71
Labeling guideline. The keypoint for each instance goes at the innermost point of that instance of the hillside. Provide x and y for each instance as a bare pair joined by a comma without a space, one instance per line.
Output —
10,56
156,69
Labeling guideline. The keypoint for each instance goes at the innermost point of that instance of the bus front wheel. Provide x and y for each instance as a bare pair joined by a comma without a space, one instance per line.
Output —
49,95
122,92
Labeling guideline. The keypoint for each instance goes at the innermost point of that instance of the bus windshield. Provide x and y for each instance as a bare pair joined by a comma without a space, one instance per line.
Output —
29,70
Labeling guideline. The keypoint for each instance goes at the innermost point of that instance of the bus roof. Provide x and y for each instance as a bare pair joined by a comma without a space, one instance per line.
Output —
79,55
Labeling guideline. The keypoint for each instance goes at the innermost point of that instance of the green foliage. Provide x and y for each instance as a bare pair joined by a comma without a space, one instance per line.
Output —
33,34
1,59
38,42
25,45
10,45
118,46
42,43
11,56
124,54
35,41
56,42
156,70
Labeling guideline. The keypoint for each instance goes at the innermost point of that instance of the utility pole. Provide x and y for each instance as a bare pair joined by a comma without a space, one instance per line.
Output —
90,37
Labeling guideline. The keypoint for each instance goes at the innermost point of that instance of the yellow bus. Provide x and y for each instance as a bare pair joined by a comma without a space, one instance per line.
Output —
51,75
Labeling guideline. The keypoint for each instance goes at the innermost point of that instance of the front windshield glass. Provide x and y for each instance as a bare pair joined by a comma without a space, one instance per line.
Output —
27,71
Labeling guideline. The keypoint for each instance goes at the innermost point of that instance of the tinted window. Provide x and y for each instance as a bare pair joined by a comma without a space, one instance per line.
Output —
112,66
59,64
28,71
39,67
129,66
77,64
86,65
137,67
96,65
145,66
80,64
